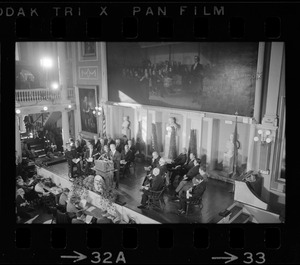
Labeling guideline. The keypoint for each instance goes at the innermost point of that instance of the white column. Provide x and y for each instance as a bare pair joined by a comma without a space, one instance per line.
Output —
17,137
22,124
251,143
61,48
276,60
209,141
258,83
104,87
65,127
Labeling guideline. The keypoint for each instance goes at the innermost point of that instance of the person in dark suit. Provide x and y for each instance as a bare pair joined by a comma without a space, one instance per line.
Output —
194,192
154,164
126,159
81,140
132,147
109,141
180,171
119,146
189,176
115,156
197,78
88,157
70,154
96,143
157,183
178,162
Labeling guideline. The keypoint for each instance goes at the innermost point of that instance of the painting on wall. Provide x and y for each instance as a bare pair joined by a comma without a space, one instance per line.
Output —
208,77
87,103
87,51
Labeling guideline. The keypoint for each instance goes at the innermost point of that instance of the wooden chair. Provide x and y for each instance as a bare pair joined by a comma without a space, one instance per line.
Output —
156,199
194,201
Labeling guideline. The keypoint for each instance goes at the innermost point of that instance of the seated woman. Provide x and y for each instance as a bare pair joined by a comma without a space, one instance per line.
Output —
22,205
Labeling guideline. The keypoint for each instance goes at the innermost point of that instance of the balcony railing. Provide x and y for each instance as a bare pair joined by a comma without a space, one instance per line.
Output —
42,94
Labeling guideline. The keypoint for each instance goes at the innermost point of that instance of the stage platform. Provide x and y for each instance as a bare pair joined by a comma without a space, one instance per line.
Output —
216,198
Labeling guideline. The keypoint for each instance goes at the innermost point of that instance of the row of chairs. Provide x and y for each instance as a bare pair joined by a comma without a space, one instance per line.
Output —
156,199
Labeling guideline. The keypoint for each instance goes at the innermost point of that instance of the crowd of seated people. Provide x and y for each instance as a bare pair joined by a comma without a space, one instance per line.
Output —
183,173
81,154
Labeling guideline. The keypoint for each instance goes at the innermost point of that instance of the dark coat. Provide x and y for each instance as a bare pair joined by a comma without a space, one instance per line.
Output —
157,183
198,190
194,171
180,160
116,158
128,157
69,155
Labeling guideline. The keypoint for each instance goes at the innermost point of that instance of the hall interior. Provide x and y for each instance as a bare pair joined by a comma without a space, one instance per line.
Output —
232,117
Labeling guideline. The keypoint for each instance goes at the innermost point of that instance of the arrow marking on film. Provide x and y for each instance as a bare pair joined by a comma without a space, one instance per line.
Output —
78,258
230,258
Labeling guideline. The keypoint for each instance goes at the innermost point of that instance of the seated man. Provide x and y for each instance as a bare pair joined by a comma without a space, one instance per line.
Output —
155,161
162,166
189,176
194,192
131,147
119,146
179,161
156,184
126,159
182,170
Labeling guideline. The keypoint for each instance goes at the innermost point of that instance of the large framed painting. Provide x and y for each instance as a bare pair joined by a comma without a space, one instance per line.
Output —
206,76
87,103
88,51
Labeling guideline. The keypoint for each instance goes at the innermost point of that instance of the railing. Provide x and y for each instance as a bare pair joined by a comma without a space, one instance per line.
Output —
42,94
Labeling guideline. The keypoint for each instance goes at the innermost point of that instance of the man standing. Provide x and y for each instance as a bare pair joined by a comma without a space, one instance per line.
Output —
115,156
127,158
70,154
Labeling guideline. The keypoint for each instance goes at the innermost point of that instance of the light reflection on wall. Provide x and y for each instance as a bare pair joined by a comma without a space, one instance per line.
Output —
144,128
124,98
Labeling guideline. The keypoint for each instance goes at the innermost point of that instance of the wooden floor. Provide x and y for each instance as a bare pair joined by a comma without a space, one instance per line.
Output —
216,198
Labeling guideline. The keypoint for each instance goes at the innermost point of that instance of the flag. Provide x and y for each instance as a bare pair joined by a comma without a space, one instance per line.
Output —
103,123
154,138
172,150
235,148
193,142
